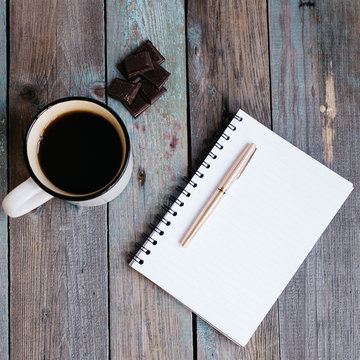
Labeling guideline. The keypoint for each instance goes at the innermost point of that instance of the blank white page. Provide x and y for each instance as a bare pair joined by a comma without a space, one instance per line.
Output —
240,261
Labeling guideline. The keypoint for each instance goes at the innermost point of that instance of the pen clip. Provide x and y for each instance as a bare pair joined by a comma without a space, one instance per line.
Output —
242,168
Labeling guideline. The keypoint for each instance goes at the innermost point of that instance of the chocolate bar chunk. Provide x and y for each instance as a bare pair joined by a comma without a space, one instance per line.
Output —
157,77
155,55
138,63
150,92
123,90
121,67
138,105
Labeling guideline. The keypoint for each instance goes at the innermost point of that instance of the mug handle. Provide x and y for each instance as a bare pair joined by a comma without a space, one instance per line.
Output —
24,198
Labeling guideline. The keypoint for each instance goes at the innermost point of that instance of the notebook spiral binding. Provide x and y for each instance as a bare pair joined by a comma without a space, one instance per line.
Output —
158,230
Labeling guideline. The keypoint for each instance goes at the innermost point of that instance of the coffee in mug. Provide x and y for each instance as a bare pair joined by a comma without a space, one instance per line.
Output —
85,162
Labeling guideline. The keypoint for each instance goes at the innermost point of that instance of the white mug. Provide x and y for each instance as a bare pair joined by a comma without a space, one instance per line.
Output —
38,188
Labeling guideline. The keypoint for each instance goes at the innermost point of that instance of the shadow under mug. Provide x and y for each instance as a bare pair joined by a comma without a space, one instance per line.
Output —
38,188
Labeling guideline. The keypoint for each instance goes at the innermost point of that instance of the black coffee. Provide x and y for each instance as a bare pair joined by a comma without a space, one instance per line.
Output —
80,152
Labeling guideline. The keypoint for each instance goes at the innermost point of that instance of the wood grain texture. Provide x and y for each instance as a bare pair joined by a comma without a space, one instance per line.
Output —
58,254
145,322
315,86
4,275
228,69
228,64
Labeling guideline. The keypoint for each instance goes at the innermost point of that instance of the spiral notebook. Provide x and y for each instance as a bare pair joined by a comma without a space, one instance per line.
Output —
242,258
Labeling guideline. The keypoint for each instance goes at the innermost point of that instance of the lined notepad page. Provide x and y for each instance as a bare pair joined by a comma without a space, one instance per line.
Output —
242,258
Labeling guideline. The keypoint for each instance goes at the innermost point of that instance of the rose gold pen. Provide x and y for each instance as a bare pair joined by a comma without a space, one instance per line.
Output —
234,173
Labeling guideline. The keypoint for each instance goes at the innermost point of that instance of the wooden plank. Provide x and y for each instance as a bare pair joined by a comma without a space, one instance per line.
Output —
58,254
315,87
4,275
145,322
295,105
228,69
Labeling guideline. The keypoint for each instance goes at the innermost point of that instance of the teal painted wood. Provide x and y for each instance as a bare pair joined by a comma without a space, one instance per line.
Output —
4,275
58,254
145,322
315,103
228,69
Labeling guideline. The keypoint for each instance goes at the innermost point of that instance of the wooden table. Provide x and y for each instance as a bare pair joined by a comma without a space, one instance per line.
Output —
66,289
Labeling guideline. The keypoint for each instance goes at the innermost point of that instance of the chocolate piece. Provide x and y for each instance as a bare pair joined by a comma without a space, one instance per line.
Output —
155,55
138,63
123,90
121,67
150,92
138,105
158,76
142,67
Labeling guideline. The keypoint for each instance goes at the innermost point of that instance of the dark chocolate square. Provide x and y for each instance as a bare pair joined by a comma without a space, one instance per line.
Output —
138,105
155,55
123,90
151,93
137,64
157,77
121,67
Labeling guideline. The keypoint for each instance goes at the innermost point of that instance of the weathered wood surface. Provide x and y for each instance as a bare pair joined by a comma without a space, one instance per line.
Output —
145,322
228,69
63,303
4,275
315,86
58,254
